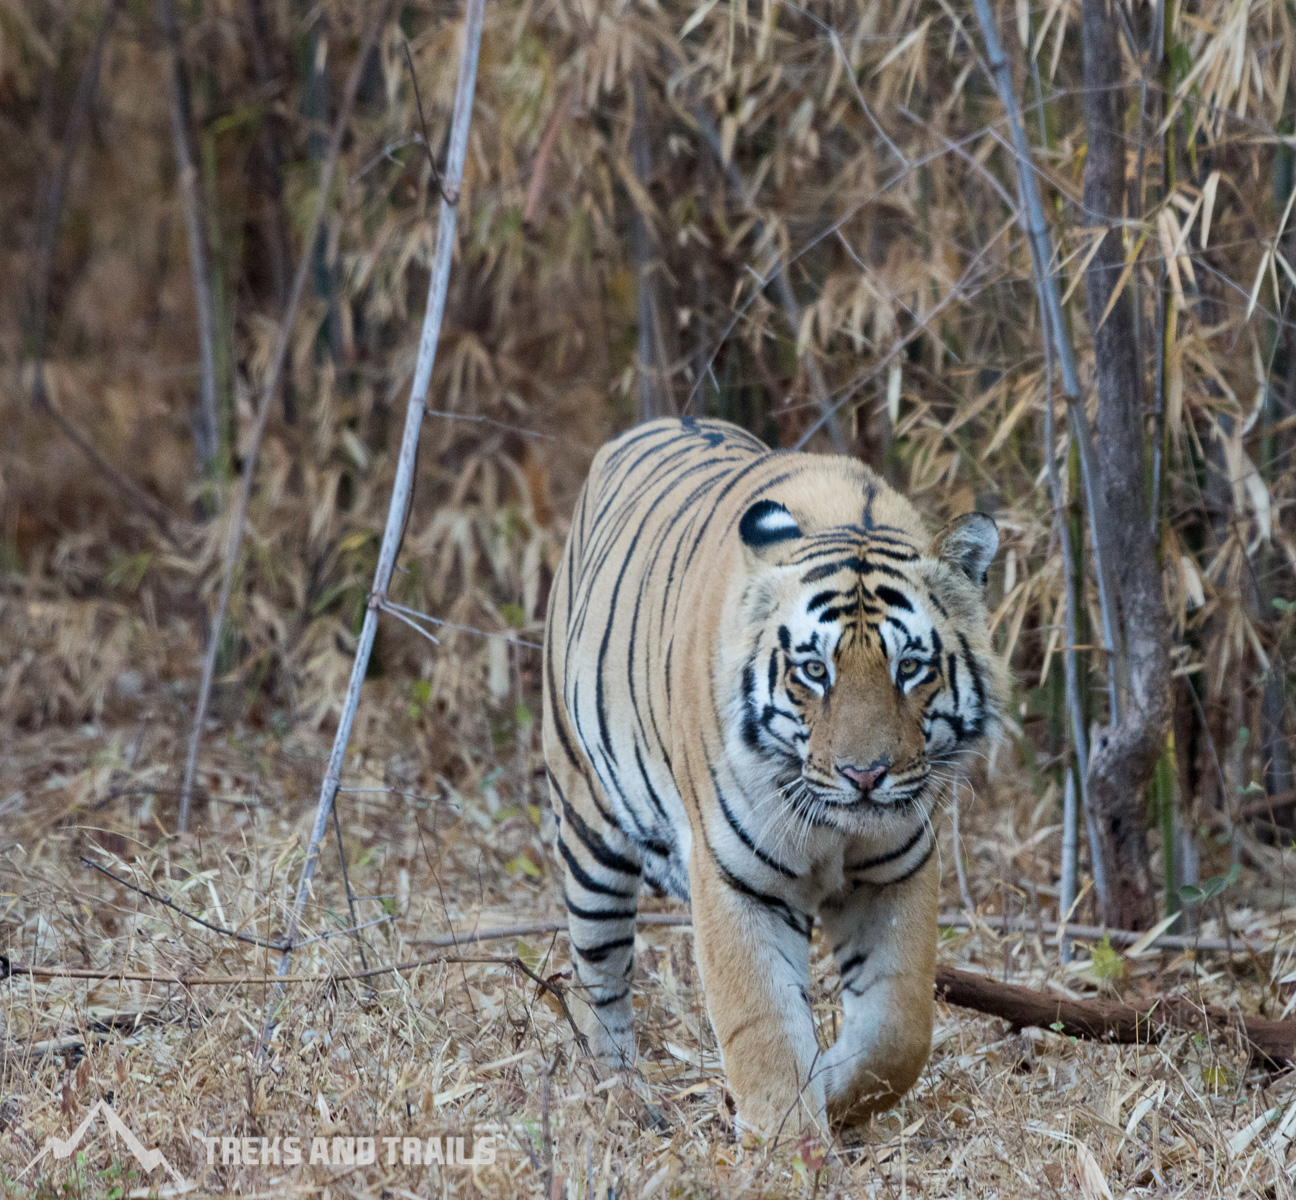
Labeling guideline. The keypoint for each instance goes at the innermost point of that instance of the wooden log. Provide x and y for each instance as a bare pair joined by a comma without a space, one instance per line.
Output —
1272,1043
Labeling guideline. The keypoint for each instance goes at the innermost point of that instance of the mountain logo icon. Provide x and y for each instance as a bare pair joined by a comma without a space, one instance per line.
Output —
61,1148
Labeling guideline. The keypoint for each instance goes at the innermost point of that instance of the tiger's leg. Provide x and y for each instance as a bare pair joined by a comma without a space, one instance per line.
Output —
884,939
753,954
601,877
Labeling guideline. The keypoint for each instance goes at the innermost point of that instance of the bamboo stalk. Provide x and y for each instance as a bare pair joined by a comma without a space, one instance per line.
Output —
206,426
1036,230
404,482
268,392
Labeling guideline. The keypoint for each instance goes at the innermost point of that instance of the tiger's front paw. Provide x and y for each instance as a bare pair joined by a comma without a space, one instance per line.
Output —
777,1112
609,1034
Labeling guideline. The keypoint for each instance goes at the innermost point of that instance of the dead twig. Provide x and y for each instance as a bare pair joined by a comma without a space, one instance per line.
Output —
269,944
787,301
272,944
437,183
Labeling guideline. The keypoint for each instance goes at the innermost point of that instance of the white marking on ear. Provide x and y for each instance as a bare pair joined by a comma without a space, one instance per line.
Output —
767,522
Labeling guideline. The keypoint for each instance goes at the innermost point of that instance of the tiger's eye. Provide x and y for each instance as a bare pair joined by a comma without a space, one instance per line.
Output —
907,668
815,670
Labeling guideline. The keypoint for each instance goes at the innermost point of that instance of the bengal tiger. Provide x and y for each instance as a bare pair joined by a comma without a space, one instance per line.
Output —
760,669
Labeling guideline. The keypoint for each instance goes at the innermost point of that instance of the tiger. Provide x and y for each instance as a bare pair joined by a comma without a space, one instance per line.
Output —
760,672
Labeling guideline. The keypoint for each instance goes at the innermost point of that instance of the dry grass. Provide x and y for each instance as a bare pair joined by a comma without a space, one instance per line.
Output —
457,1048
915,302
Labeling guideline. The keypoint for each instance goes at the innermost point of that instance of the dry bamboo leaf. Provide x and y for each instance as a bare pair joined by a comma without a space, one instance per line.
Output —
1093,1183
1024,401
1208,205
1166,236
1131,258
1094,241
1259,279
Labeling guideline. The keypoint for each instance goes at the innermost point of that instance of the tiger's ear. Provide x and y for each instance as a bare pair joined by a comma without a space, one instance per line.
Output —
968,543
766,524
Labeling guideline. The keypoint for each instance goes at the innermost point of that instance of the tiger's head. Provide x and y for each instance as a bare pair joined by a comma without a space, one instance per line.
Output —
864,665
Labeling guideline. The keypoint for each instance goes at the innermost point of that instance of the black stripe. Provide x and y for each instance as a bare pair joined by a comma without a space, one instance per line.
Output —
784,910
743,836
599,914
559,711
652,794
823,570
855,961
978,722
869,863
621,995
587,881
593,841
888,595
599,953
918,866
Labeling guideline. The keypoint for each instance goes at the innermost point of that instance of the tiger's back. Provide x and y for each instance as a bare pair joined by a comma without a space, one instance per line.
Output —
724,635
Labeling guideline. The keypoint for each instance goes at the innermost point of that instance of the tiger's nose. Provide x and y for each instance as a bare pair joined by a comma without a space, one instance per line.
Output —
865,777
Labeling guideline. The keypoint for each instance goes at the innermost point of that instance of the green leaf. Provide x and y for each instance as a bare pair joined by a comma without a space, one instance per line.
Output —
529,955
522,715
1057,1026
1283,606
1188,894
1107,963
513,614
1216,1078
523,864
389,906
1217,883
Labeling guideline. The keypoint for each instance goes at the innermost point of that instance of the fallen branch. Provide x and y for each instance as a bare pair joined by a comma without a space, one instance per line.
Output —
1114,1021
946,920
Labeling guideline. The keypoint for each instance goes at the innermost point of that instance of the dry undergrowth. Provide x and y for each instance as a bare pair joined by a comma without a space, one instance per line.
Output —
457,1048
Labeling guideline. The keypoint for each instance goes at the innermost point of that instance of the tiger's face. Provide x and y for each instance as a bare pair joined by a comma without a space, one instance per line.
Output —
867,670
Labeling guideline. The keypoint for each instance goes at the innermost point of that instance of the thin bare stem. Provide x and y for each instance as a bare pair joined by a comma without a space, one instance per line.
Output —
272,944
404,482
346,883
268,391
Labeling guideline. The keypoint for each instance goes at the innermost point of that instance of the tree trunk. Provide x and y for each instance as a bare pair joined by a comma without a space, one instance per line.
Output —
1126,752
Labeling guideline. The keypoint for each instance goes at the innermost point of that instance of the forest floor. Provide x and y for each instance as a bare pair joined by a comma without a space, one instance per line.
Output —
467,1045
